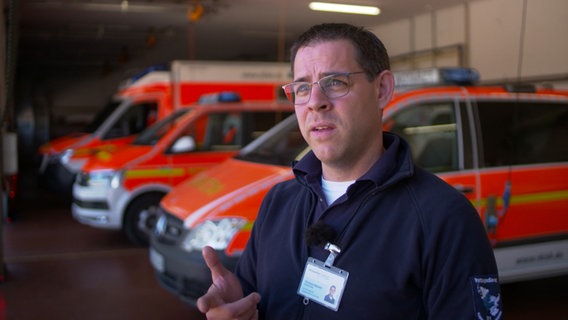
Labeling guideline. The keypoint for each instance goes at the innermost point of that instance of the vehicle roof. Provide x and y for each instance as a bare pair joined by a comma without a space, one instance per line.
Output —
481,90
244,105
485,92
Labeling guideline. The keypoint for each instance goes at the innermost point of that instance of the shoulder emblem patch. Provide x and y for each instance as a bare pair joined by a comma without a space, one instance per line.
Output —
487,298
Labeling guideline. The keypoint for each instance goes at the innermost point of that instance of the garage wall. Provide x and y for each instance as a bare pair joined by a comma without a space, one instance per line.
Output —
85,95
487,35
483,34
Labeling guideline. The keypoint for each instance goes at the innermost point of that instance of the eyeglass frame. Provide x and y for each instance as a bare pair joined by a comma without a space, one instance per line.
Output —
311,84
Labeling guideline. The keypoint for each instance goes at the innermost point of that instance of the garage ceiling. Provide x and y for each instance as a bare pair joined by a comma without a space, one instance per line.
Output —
87,34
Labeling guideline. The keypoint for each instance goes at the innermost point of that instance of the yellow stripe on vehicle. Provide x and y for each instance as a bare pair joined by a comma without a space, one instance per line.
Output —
247,226
530,198
540,197
155,173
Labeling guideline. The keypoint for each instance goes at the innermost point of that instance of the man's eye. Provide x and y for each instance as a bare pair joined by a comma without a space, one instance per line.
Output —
334,82
302,89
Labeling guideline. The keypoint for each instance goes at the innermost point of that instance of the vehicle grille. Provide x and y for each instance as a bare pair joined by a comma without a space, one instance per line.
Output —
99,205
82,178
169,228
186,289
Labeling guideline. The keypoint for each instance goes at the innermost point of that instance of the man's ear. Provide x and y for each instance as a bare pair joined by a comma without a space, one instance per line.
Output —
385,81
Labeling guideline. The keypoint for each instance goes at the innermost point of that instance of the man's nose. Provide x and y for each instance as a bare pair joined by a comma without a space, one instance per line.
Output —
318,99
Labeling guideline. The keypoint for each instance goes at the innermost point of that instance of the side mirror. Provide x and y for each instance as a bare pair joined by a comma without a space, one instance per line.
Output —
184,144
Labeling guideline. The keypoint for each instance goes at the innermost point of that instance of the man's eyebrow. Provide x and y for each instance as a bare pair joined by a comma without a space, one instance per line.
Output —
323,75
301,79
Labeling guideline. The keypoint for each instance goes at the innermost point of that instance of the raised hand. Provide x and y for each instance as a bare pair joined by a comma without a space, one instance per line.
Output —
224,299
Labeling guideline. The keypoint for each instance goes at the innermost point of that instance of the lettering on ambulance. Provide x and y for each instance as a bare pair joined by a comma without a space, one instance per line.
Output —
104,155
542,257
101,152
207,185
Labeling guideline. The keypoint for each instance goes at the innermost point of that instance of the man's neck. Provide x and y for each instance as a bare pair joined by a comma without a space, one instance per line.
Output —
339,172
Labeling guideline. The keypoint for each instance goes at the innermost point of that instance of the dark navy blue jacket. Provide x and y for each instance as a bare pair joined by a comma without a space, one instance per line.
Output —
414,247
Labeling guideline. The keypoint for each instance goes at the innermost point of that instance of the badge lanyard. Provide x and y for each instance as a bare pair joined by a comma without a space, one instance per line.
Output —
322,282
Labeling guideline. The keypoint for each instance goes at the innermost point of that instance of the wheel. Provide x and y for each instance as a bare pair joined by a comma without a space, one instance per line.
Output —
140,218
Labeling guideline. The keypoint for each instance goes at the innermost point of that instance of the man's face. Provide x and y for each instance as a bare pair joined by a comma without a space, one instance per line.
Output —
342,131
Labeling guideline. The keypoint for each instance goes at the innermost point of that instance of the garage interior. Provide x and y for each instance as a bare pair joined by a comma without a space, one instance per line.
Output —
65,58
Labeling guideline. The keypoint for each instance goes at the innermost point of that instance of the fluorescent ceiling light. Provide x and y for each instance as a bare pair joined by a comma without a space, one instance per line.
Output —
344,8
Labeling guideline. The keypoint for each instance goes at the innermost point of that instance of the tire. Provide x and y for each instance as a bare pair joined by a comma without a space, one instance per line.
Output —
140,218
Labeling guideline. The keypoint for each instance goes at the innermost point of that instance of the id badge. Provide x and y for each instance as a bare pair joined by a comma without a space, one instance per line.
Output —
323,284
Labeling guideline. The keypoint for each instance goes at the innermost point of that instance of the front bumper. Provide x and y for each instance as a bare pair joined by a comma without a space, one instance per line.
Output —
183,273
94,218
91,206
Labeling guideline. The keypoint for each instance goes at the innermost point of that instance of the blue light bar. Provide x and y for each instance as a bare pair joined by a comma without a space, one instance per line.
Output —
219,97
157,67
461,76
436,76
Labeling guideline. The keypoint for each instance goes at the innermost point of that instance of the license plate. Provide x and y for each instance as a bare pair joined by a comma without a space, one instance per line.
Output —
157,260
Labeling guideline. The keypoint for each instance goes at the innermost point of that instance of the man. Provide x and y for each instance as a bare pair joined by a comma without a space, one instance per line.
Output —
399,242
329,297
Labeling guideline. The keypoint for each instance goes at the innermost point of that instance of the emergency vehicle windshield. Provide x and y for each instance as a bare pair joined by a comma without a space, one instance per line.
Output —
154,133
279,146
101,116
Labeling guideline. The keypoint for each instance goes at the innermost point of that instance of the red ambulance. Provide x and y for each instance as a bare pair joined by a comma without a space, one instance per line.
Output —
504,147
149,96
122,189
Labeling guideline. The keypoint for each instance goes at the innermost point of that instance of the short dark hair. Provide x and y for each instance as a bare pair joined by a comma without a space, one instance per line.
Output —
371,52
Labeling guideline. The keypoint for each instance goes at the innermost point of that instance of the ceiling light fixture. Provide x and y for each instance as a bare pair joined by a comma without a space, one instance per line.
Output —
344,8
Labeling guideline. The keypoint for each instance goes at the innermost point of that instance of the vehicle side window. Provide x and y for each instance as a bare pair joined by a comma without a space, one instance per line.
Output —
231,130
257,123
223,131
280,146
137,118
431,131
517,132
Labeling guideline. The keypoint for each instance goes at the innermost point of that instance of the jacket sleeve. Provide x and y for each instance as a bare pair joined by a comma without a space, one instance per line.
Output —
459,268
247,264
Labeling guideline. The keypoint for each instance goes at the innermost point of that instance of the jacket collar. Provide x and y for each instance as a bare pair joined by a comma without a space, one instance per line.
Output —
395,164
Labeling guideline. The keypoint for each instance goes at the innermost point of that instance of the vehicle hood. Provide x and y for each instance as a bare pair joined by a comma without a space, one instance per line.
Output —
60,144
93,146
115,159
234,188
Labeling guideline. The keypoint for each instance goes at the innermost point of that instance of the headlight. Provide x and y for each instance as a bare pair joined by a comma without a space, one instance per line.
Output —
117,179
214,233
66,155
101,178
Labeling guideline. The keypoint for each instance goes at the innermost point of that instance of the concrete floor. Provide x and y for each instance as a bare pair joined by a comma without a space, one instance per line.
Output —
59,269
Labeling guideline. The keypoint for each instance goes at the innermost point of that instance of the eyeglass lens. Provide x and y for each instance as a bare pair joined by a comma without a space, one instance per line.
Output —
333,86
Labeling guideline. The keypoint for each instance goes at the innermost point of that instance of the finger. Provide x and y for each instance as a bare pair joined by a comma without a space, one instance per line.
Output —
220,291
208,300
244,308
214,263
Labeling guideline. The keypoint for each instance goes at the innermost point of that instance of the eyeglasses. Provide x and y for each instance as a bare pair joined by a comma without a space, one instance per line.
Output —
333,86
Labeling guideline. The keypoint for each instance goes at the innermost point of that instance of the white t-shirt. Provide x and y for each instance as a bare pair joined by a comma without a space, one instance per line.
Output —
334,189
